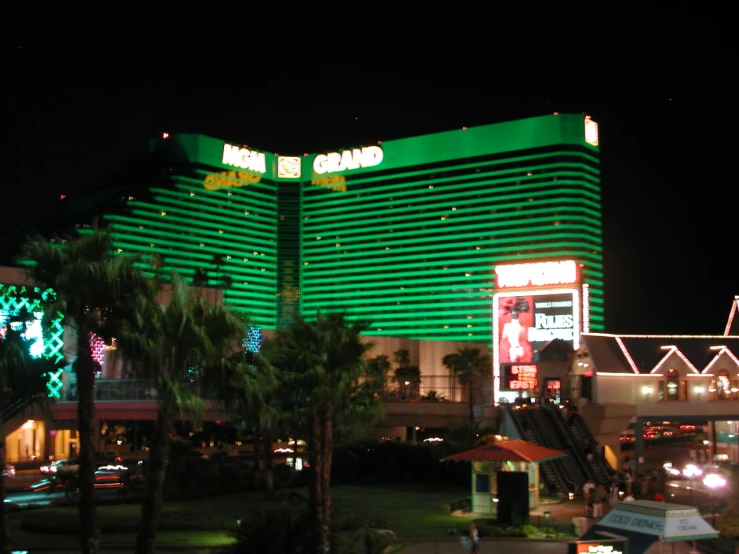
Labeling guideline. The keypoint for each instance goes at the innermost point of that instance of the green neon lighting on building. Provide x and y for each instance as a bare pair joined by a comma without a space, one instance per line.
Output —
410,243
49,342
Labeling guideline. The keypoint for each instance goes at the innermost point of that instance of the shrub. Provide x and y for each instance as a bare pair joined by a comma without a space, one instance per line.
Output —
279,531
388,462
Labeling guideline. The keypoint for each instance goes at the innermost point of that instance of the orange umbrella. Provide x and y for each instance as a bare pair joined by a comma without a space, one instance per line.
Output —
515,450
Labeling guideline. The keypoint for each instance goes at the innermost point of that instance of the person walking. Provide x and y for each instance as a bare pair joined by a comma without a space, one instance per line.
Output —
599,496
587,494
471,541
613,494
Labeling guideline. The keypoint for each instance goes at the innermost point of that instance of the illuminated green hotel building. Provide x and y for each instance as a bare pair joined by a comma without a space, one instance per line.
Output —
404,233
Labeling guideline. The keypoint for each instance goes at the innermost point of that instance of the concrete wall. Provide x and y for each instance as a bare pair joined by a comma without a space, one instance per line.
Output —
14,276
428,356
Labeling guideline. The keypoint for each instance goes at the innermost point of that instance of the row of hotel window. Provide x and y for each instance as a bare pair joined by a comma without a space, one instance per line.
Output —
722,387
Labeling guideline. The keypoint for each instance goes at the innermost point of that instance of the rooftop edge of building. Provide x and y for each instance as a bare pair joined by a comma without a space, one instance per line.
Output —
468,142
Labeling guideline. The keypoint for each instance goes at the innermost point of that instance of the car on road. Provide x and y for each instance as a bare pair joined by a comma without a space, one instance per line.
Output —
64,466
689,471
8,471
103,480
103,459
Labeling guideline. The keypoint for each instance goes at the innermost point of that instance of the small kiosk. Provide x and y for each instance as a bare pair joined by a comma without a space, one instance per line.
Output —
491,461
645,522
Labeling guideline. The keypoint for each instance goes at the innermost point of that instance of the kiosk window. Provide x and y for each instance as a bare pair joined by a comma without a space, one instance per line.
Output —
482,483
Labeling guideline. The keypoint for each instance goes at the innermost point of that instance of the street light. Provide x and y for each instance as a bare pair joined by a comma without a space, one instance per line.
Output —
714,481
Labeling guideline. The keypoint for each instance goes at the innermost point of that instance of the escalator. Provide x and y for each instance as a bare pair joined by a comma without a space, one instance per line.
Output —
14,409
584,438
551,471
553,435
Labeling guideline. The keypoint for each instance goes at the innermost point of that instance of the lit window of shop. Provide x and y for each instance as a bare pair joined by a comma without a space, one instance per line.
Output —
724,387
672,387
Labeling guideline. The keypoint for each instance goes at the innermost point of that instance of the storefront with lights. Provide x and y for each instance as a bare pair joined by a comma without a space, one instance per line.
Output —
681,379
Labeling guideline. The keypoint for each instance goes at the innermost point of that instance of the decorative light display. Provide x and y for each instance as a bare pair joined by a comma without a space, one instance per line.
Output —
672,350
732,314
43,342
97,349
253,339
723,352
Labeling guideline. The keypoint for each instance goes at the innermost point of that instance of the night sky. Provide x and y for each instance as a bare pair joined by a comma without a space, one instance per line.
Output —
667,155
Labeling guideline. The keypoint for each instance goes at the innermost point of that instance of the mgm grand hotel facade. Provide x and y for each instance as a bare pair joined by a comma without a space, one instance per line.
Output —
406,234
439,241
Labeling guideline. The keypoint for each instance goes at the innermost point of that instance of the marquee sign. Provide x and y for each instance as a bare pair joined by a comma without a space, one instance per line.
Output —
332,162
538,274
520,377
597,548
591,132
244,158
288,167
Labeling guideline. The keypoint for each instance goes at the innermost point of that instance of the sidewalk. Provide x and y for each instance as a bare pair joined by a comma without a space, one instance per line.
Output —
522,546
507,546
562,511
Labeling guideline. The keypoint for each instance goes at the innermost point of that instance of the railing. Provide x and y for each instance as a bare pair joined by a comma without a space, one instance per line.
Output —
432,388
116,390
464,506
14,407
437,388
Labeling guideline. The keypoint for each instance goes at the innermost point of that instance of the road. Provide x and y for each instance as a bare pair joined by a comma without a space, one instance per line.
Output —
15,493
22,480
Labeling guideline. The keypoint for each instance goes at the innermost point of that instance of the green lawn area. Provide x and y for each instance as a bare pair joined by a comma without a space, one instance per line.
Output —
409,510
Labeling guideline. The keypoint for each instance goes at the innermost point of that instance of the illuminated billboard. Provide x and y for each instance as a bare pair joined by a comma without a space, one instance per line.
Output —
520,377
523,322
537,274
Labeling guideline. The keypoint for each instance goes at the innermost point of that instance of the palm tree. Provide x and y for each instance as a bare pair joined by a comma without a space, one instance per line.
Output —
323,367
23,380
377,372
93,289
466,364
407,376
466,436
262,409
188,349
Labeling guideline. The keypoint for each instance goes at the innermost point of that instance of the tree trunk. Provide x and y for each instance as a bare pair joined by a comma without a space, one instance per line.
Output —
268,453
257,446
470,402
4,522
314,492
321,495
84,367
152,507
